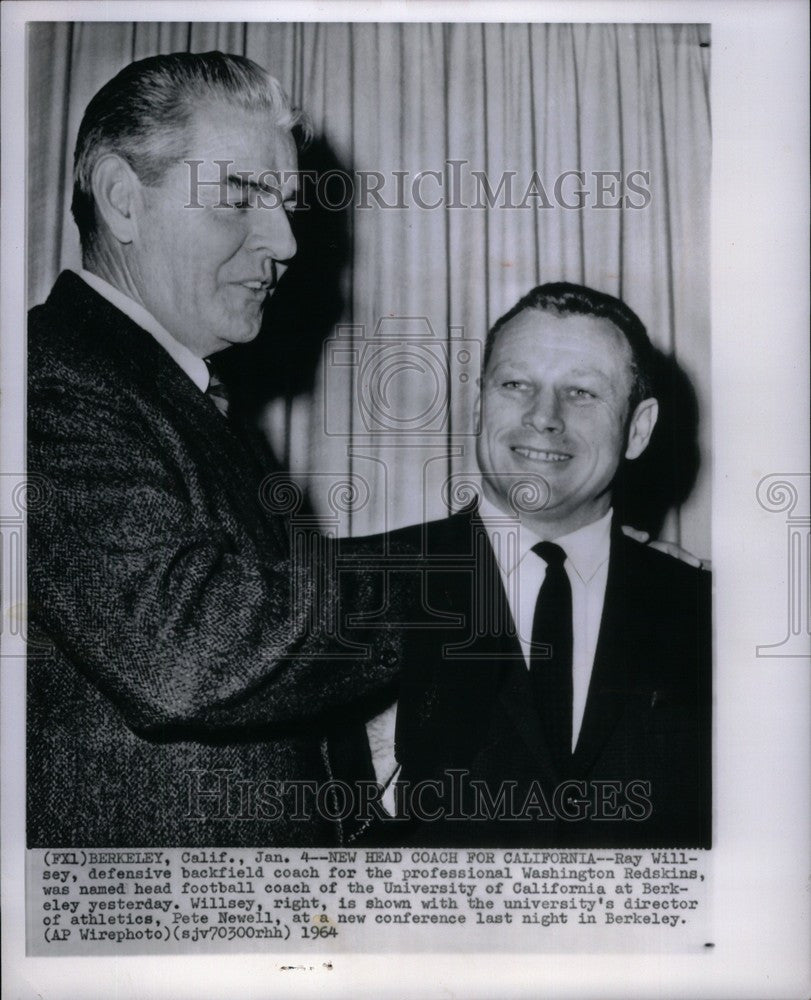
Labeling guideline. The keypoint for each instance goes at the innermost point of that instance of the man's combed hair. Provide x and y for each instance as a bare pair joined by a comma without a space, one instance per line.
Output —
566,299
143,115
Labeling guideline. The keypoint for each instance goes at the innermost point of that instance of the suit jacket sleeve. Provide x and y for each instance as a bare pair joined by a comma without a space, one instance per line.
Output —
177,613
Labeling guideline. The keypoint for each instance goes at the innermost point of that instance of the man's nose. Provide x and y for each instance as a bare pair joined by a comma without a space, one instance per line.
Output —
271,234
543,413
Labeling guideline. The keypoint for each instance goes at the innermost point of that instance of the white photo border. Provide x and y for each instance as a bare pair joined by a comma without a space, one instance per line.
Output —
760,901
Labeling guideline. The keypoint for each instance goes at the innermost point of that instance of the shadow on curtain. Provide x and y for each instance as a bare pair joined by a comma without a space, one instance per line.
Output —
504,109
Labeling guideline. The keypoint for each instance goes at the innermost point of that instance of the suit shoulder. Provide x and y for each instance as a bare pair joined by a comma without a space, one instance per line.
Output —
64,368
418,539
58,351
664,572
42,351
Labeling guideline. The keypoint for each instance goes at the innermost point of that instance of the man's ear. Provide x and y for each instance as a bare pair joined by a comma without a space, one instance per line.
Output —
641,427
117,196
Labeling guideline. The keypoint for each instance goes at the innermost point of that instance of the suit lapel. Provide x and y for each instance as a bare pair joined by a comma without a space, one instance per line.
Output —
615,670
158,381
516,704
465,671
482,680
148,367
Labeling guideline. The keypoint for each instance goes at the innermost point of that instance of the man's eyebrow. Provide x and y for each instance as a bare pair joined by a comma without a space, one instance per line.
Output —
512,364
590,373
506,363
245,183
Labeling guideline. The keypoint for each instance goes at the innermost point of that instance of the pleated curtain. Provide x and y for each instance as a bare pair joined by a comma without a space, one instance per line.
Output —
382,435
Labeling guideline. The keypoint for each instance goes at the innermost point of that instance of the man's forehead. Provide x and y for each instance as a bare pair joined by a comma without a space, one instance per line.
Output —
250,139
591,341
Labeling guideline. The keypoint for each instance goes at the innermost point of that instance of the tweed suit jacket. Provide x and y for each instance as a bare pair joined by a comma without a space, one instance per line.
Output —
189,667
466,703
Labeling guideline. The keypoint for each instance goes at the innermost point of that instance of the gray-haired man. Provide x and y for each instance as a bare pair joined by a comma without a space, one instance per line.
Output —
185,681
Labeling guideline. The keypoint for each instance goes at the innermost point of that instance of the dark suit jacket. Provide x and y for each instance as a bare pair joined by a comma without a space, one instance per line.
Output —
466,703
188,650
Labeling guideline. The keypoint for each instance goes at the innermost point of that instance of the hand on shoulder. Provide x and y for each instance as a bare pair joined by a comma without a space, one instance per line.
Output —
669,548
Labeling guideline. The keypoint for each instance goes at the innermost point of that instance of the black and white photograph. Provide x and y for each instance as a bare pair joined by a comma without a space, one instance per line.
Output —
367,523
410,354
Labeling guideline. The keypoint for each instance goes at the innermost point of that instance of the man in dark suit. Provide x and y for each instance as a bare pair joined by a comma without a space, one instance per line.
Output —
557,673
190,670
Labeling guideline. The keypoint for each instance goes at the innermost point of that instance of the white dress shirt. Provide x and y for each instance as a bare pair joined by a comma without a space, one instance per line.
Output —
523,573
193,366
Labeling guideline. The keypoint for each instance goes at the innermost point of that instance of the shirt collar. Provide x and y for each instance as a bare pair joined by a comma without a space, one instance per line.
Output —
193,366
586,549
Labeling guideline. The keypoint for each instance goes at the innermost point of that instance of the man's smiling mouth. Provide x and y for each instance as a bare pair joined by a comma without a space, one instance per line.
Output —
540,454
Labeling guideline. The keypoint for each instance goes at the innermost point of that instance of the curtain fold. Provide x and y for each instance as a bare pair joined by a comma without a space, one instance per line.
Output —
492,122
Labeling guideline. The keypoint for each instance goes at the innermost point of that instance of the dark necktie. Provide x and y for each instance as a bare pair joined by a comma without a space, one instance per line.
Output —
551,653
216,391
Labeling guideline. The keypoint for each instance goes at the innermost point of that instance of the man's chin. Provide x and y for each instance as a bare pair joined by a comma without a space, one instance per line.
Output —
243,333
521,494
